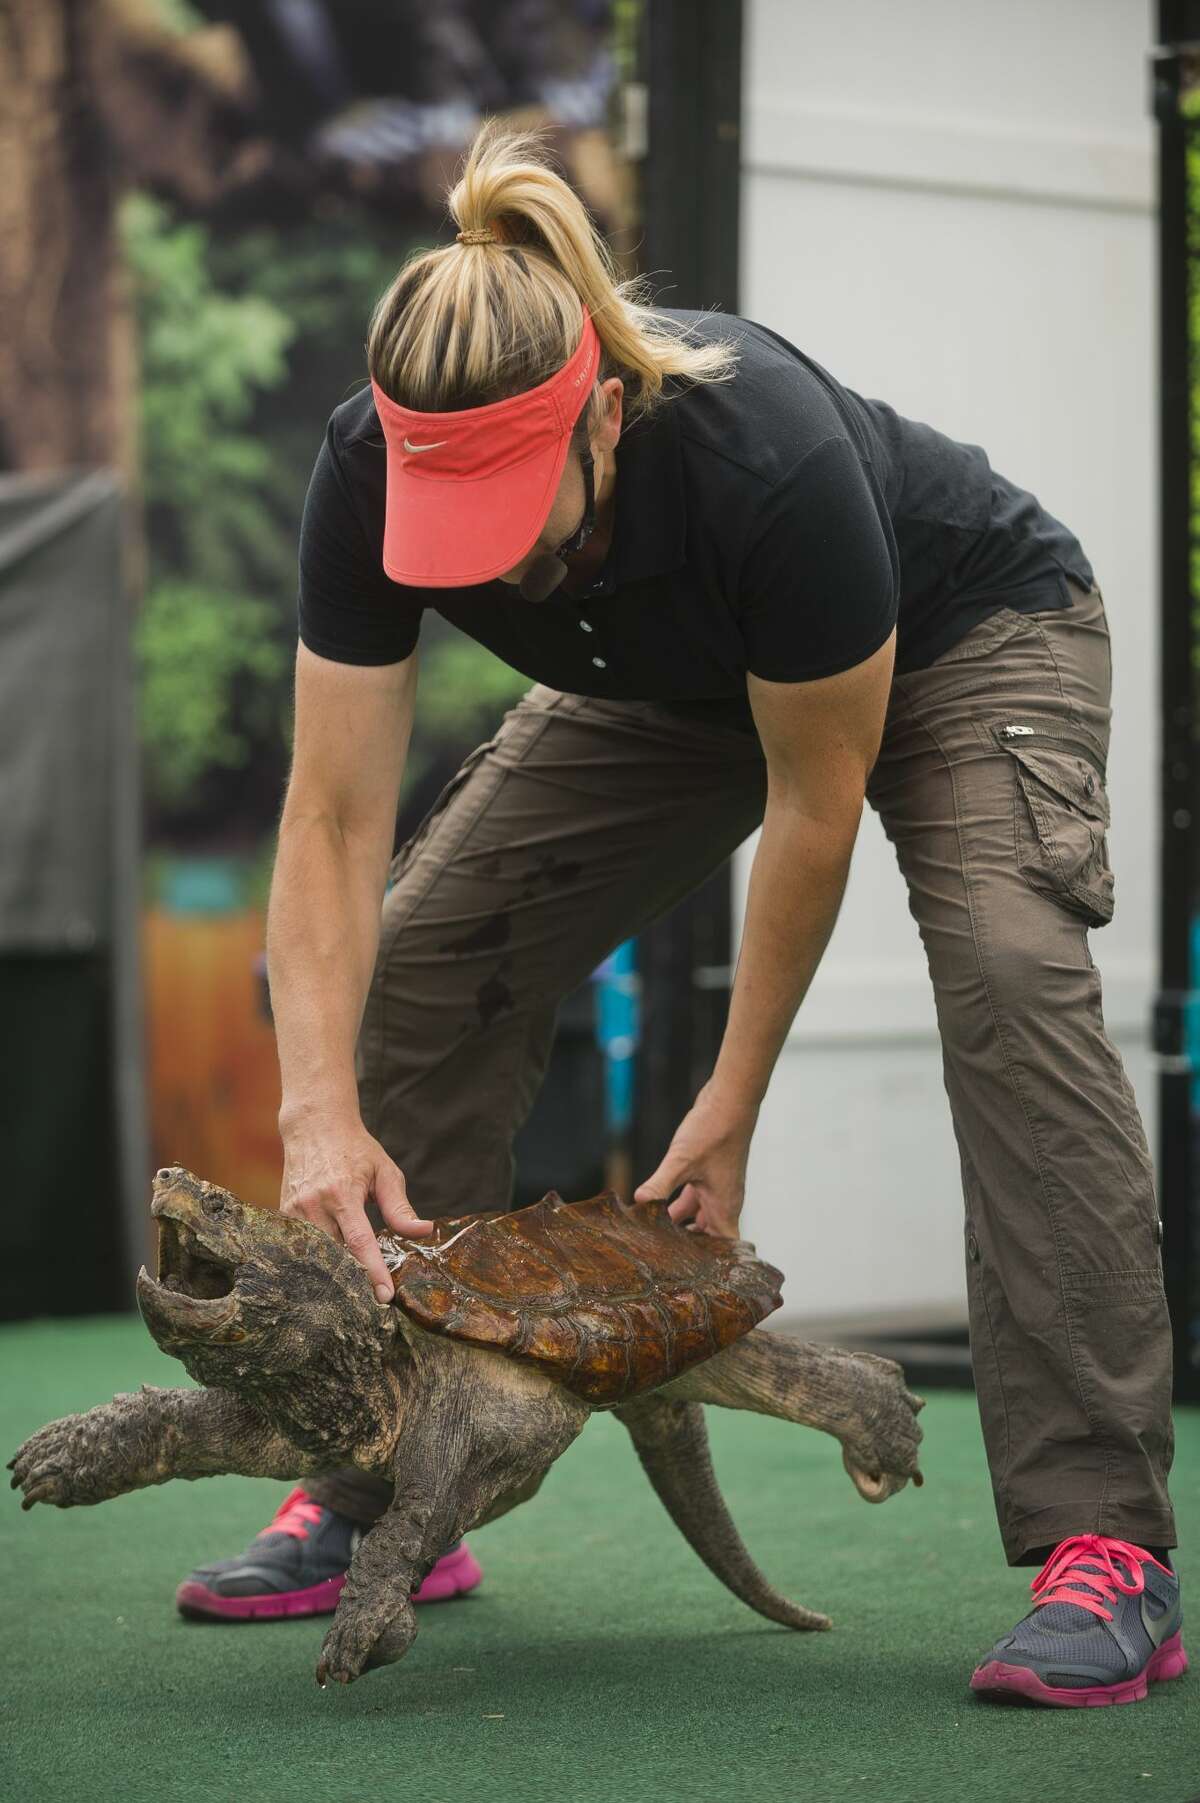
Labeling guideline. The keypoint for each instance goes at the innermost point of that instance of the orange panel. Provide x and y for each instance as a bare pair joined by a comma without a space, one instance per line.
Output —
213,1072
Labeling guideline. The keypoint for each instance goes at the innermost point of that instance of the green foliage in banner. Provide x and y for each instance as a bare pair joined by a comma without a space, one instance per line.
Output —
211,645
247,340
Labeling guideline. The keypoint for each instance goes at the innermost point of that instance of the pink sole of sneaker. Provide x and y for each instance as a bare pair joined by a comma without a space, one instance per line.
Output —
1000,1680
452,1576
193,1599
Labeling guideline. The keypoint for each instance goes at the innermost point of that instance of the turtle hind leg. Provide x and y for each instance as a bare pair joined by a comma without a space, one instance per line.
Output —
857,1397
671,1441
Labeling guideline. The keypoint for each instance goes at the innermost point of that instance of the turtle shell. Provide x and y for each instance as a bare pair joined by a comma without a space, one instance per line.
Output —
607,1297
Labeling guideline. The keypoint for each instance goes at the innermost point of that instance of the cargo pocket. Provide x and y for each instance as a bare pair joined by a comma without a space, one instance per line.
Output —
1061,817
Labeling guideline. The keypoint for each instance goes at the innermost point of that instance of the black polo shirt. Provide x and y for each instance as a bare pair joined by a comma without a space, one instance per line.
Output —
776,523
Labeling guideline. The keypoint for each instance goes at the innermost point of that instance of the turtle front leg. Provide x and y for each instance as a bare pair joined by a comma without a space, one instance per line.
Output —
478,1434
375,1622
148,1437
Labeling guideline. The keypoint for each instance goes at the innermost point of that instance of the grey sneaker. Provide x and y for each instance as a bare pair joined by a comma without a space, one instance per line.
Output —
1107,1621
297,1566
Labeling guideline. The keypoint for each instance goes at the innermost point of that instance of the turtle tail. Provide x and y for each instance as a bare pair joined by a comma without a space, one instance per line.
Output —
671,1440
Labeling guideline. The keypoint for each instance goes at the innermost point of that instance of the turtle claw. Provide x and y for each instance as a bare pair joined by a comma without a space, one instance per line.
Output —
363,1638
880,1449
325,1676
345,1651
44,1466
77,1459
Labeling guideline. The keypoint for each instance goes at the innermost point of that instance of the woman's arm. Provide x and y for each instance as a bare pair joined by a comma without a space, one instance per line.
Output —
353,723
820,740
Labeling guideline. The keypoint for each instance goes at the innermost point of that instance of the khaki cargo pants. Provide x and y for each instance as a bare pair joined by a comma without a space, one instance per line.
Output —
582,820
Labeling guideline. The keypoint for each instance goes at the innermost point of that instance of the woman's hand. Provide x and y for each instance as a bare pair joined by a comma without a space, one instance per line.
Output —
330,1169
708,1157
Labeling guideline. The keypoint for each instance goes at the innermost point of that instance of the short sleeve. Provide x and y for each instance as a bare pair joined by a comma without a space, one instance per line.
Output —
349,609
819,582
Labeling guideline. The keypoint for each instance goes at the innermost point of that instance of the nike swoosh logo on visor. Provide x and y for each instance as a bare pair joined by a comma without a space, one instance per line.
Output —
426,447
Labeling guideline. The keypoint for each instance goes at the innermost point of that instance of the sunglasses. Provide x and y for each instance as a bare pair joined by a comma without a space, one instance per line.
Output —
546,572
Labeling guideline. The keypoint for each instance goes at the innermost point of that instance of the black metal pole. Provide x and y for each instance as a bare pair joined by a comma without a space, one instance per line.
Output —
692,56
1174,63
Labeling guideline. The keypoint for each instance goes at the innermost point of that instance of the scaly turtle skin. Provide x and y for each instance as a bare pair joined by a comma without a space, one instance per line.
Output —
606,1297
507,1332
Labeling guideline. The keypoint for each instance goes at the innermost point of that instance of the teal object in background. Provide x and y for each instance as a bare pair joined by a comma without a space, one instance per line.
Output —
200,885
618,1029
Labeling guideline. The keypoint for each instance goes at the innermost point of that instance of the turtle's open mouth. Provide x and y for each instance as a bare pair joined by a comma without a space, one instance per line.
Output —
187,1267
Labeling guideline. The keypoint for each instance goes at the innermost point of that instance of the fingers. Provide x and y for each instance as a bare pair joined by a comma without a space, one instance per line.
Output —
703,1213
391,1193
720,1221
321,1203
695,1207
686,1205
666,1178
356,1232
339,1209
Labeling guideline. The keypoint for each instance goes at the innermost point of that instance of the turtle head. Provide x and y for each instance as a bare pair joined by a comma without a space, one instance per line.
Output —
271,1308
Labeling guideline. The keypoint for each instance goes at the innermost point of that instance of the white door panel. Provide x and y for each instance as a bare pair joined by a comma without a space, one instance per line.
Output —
950,207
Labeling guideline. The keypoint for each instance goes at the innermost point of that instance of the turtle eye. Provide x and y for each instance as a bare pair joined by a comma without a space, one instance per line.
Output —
213,1205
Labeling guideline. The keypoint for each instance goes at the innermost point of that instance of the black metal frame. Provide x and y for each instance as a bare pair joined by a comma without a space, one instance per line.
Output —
691,56
1176,67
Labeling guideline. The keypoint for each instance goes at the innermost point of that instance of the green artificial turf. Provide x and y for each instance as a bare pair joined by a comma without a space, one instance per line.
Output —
599,1661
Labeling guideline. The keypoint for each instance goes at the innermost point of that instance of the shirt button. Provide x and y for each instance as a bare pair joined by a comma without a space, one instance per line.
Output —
585,625
600,663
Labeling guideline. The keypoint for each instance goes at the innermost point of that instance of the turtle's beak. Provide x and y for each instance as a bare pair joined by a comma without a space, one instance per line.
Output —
199,1252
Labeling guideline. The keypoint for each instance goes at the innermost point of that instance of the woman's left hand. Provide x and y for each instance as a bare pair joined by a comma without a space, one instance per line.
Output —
708,1157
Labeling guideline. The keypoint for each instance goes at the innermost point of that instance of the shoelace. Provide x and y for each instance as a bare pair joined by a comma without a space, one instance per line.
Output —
295,1515
1073,1562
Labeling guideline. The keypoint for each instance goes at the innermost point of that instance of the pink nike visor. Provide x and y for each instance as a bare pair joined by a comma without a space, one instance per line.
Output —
469,492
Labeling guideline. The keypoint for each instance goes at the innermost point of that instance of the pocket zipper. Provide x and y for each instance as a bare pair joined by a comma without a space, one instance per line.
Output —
1075,742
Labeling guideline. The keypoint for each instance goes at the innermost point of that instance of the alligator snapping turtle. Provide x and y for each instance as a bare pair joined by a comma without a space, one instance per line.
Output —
506,1332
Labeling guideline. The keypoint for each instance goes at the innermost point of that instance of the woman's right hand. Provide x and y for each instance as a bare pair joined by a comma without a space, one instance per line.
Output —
330,1170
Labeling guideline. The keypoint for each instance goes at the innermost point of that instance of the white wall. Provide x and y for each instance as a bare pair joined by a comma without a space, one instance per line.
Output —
949,204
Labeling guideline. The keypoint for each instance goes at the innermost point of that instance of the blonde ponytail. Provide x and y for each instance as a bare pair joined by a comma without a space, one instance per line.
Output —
499,311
